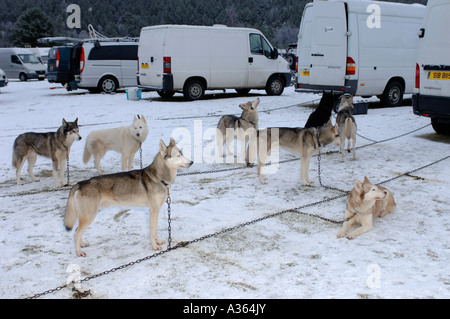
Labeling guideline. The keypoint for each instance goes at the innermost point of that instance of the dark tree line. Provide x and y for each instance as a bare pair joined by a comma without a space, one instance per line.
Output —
22,22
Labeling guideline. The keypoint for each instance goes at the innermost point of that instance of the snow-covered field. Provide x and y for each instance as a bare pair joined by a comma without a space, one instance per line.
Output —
290,255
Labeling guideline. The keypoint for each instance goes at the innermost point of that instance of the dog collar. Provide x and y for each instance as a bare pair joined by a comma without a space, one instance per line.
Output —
164,183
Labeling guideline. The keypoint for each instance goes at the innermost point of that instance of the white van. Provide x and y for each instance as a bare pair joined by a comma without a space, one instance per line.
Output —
108,65
21,64
359,47
192,59
431,96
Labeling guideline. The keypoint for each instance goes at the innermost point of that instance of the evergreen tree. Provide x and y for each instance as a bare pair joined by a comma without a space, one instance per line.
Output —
31,25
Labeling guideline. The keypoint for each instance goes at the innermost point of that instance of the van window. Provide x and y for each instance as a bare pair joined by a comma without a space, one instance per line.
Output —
15,59
28,58
114,52
259,45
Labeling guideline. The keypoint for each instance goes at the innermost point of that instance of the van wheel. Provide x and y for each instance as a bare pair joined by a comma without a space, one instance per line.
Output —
440,128
392,95
275,86
23,77
108,84
194,90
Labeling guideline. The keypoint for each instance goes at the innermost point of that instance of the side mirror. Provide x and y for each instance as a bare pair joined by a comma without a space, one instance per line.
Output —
274,54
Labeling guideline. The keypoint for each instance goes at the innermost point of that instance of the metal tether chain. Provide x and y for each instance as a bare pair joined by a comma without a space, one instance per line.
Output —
68,167
169,210
140,154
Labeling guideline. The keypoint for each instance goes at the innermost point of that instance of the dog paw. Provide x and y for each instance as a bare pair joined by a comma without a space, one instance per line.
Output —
263,181
81,253
340,235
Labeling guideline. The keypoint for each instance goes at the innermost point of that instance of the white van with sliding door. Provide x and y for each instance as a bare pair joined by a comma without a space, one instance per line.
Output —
360,47
106,66
192,59
431,96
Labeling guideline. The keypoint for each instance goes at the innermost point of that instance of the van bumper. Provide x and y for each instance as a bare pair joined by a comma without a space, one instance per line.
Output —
167,84
434,107
349,87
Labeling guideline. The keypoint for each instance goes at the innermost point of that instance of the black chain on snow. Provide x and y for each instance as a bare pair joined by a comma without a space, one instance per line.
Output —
226,230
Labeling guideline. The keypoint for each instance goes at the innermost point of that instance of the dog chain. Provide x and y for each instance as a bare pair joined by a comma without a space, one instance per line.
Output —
68,168
169,211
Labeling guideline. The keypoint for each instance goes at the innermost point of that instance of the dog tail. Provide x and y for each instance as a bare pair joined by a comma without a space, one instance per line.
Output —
348,127
71,210
17,156
86,154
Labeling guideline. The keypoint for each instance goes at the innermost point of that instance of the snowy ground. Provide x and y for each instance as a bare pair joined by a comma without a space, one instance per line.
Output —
291,255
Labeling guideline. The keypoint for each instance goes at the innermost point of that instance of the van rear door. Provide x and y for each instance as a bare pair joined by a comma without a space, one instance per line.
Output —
151,55
328,44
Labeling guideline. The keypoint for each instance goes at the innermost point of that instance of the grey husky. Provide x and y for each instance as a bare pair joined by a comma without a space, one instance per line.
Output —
53,145
231,126
297,140
139,188
347,124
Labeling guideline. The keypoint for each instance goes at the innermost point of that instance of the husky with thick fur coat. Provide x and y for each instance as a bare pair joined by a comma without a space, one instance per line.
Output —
126,140
365,203
147,187
53,145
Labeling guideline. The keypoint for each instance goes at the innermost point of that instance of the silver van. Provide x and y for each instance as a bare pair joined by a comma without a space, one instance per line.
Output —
106,66
21,64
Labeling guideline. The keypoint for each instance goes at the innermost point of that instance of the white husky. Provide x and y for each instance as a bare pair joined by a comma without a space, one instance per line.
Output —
126,140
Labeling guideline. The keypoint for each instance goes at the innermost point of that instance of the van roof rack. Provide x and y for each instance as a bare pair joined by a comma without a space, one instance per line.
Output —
94,36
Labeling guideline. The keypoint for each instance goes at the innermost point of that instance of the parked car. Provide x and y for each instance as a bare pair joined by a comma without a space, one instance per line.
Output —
21,64
360,47
106,66
192,59
431,96
3,78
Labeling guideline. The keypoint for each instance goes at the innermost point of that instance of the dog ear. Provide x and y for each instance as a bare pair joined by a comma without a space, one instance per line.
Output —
172,142
243,106
64,123
358,185
76,121
366,180
143,119
162,148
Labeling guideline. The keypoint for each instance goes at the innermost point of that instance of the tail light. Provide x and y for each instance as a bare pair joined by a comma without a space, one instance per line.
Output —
417,76
296,64
57,59
351,66
167,65
82,60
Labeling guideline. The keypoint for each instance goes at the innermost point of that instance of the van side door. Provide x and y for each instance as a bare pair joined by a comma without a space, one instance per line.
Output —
329,44
129,63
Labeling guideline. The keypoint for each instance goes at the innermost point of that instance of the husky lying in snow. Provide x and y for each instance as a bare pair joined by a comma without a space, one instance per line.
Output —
365,203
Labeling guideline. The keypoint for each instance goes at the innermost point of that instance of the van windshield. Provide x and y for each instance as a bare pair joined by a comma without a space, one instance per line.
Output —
28,58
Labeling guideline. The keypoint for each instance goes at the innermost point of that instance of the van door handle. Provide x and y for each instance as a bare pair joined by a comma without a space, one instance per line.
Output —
316,54
250,60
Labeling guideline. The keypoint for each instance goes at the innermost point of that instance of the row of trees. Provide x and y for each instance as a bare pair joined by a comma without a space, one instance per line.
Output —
22,22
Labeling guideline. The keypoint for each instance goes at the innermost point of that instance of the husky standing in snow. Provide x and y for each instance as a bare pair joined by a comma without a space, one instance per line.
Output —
231,126
54,145
146,187
347,124
126,140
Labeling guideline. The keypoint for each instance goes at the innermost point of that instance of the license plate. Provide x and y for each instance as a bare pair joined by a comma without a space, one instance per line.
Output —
438,75
305,73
